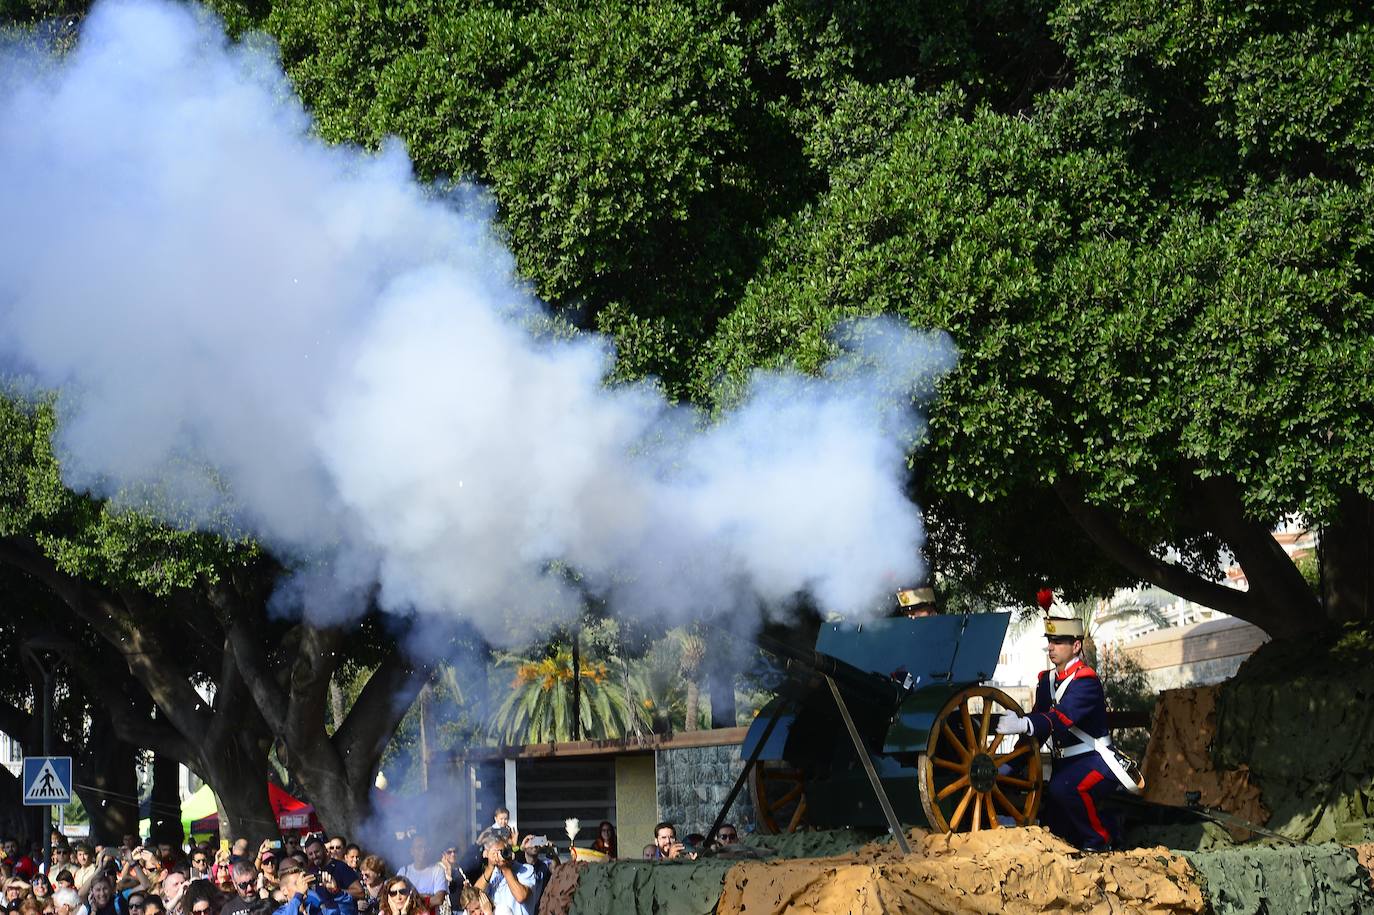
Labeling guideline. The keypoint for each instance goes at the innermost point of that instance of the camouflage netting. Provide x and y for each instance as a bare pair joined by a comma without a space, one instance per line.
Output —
1179,760
1289,734
816,844
558,895
1285,744
1291,880
1298,716
685,887
649,887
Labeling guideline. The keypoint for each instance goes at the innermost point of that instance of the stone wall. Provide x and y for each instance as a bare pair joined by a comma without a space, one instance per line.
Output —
693,783
1195,655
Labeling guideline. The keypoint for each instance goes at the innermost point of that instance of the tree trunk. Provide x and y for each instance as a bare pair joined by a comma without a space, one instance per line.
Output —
1347,560
108,767
238,776
342,808
16,820
693,722
164,811
576,683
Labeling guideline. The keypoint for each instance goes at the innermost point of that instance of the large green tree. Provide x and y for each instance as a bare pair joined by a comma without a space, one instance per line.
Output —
1144,224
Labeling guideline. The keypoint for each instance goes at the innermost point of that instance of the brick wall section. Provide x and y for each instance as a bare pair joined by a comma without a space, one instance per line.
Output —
693,783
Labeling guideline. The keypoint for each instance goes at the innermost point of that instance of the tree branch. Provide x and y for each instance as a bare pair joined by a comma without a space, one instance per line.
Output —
378,710
1104,531
102,681
15,722
113,619
1272,577
317,656
251,658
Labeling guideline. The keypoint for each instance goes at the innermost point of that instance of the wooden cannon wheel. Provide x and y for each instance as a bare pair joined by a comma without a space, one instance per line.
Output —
779,796
961,788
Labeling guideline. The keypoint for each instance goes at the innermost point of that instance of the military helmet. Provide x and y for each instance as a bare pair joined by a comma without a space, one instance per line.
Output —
1063,627
914,597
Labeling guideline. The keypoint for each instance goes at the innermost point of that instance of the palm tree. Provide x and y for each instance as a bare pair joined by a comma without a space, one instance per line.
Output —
539,707
693,653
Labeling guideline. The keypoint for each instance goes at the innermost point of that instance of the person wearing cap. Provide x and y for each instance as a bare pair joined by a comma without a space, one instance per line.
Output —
915,603
1070,711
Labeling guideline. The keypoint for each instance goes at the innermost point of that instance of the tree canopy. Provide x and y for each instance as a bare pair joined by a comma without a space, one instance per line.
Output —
1144,224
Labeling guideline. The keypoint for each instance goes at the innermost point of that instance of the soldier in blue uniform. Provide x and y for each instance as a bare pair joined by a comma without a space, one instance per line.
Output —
1071,711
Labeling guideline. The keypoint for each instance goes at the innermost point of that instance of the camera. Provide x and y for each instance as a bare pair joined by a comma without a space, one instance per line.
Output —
507,853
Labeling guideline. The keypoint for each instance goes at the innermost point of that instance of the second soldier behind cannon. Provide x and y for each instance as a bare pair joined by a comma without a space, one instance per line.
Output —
916,603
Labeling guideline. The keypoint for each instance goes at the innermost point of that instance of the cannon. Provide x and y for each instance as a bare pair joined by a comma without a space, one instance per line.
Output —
890,723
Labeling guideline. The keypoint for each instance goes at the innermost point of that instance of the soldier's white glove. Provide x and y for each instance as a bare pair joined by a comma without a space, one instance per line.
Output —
1012,723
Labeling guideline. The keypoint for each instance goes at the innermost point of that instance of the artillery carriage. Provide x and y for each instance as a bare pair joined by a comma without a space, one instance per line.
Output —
922,746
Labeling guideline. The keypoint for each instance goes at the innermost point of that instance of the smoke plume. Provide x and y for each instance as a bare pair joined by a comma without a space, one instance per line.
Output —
301,342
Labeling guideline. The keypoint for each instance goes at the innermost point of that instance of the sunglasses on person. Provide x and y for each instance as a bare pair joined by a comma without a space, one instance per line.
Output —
246,885
333,848
398,891
201,909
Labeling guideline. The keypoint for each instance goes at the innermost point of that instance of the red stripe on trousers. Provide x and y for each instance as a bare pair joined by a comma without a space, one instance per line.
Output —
1089,780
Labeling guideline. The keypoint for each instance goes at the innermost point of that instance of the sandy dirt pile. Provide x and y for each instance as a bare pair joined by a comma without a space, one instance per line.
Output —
1007,871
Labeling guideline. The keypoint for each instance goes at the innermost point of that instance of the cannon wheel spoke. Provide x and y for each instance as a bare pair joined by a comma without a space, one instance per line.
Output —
961,791
779,796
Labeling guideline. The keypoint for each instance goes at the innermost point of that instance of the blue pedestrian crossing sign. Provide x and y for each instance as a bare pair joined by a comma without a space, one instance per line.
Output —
47,780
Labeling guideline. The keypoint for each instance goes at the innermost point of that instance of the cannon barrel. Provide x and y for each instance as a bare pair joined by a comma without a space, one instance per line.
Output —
808,662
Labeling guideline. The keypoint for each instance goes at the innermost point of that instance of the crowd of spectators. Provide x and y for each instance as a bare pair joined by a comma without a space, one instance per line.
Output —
503,873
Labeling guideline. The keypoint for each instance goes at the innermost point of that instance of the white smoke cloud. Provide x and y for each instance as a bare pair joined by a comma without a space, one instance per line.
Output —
212,287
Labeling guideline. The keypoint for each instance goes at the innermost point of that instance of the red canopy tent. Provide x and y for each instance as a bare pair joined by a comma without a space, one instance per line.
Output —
293,815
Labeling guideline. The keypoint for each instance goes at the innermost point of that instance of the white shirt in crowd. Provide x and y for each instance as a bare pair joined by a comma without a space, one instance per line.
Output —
427,880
